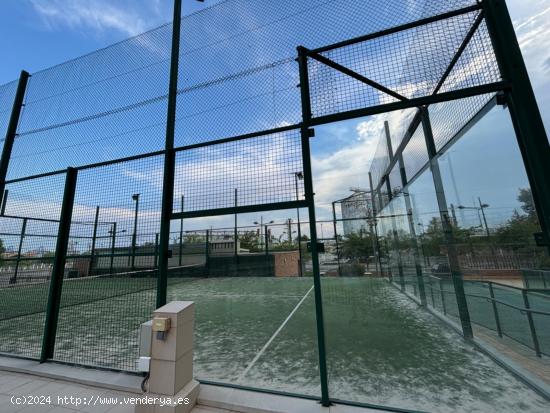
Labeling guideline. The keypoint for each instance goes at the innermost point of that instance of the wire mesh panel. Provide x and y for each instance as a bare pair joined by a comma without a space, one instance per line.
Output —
254,171
90,110
28,236
380,162
415,154
107,294
410,63
7,96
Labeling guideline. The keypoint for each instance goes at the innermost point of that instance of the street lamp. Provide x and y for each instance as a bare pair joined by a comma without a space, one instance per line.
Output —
481,208
261,224
135,197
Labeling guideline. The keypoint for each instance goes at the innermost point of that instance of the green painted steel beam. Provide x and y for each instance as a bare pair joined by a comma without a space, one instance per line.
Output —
530,133
169,161
58,270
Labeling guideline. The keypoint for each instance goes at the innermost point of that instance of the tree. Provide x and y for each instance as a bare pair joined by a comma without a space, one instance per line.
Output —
519,229
527,203
357,246
250,241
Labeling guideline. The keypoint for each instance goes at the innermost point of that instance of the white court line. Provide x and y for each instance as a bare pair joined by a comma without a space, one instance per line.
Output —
266,345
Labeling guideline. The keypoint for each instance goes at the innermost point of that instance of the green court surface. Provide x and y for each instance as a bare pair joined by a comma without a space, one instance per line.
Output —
260,332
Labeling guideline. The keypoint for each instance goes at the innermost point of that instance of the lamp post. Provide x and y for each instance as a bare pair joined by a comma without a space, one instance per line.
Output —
481,208
135,197
261,225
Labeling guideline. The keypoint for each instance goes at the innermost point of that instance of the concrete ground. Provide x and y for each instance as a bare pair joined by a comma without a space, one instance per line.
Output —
212,399
56,394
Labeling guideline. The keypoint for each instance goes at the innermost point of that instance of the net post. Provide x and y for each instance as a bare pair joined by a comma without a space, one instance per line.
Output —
452,254
58,270
524,111
169,161
11,132
306,133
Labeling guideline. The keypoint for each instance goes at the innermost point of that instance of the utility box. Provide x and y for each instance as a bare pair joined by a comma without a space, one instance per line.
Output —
145,336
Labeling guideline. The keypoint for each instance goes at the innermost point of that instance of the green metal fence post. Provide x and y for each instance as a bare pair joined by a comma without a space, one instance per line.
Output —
306,134
534,336
207,253
94,238
236,235
495,309
452,253
412,230
11,132
393,223
169,161
13,280
181,231
4,203
266,235
336,238
376,245
442,296
524,111
58,270
113,243
156,250
432,291
135,197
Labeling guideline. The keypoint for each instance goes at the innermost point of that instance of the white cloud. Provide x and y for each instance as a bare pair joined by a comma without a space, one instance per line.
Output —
534,38
100,15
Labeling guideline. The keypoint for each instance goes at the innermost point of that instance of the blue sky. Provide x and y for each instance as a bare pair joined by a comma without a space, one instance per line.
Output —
36,34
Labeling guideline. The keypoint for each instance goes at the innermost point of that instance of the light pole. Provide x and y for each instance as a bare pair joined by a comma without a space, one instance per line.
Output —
481,208
135,197
261,224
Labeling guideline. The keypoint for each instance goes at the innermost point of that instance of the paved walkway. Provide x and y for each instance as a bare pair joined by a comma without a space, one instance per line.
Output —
14,387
